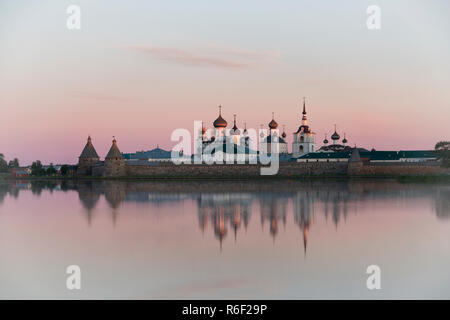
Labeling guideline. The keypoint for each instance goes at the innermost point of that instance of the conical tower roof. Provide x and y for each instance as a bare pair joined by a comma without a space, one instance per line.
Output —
355,157
114,152
89,150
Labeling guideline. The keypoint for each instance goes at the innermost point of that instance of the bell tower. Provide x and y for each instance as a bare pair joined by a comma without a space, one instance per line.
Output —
304,139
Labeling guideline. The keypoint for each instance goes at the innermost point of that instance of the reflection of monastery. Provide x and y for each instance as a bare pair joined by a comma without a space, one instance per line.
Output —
226,209
219,144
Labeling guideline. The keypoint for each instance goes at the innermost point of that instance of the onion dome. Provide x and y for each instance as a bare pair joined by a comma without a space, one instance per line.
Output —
89,150
273,124
235,130
345,139
262,133
325,141
114,152
283,135
245,128
220,122
335,135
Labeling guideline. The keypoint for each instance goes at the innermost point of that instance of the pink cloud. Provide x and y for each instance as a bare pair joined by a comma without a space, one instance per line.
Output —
191,59
247,54
97,96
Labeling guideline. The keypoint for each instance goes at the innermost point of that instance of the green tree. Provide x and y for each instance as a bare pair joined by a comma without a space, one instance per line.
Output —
442,145
443,150
14,163
36,168
51,170
64,169
3,164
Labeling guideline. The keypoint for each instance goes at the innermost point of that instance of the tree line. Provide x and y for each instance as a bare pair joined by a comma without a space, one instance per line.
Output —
443,149
4,166
37,169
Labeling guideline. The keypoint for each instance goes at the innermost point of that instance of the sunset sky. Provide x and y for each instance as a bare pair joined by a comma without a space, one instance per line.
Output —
140,69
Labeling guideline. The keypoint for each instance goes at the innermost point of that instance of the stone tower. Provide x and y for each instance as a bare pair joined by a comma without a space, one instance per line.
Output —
87,159
304,139
115,165
355,164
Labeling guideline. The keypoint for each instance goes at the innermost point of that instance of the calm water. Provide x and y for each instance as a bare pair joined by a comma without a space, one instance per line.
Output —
224,240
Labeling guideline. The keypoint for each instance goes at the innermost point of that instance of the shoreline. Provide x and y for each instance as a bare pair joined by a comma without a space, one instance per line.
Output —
399,178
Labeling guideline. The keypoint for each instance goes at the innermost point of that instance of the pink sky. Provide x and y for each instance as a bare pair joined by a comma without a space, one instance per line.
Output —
139,71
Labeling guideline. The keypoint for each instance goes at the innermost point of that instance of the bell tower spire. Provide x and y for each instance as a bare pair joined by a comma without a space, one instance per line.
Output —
304,119
304,106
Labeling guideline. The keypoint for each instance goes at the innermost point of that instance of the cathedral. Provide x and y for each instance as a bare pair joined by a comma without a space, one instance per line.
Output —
335,146
220,144
240,140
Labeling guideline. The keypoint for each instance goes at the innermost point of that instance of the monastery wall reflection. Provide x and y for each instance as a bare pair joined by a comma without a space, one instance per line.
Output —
226,207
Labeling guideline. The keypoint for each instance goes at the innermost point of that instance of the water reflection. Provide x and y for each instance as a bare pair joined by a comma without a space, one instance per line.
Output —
227,207
223,209
442,203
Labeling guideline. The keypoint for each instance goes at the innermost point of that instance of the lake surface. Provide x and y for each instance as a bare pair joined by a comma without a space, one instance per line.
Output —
224,240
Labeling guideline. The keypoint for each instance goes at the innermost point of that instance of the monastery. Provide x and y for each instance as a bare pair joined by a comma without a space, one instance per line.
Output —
237,146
